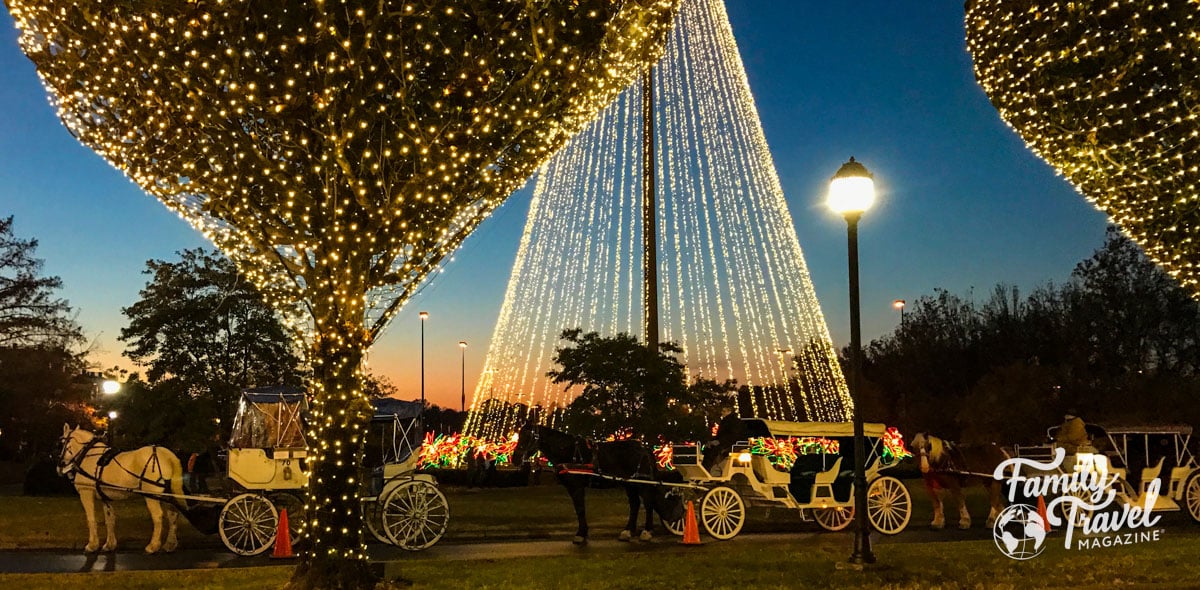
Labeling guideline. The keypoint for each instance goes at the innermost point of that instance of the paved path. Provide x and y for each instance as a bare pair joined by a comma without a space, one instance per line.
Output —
74,561
61,561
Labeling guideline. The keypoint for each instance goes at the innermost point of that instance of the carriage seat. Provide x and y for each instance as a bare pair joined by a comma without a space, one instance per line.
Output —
767,473
1178,477
1149,474
823,484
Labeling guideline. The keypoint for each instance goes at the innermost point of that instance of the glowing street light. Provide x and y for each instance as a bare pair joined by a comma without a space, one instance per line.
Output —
463,345
851,193
424,315
899,304
110,387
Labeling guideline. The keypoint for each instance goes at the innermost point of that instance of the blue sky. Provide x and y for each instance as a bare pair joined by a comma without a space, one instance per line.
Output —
963,204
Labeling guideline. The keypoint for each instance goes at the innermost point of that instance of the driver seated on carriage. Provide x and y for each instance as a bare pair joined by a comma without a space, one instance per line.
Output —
730,430
1072,436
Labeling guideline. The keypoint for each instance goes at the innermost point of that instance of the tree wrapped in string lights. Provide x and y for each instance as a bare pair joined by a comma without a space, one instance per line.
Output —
337,152
1109,94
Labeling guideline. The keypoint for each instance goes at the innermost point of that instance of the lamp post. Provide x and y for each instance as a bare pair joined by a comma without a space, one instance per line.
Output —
463,345
424,315
851,193
899,304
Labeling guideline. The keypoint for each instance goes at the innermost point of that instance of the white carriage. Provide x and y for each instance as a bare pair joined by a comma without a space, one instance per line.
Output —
818,482
266,470
404,508
1139,455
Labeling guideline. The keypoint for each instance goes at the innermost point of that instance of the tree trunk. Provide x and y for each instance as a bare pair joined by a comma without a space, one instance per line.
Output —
335,558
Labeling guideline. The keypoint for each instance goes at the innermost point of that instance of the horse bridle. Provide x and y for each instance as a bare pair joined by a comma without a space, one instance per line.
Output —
69,467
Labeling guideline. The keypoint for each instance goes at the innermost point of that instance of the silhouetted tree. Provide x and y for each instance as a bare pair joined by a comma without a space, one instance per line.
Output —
41,357
204,333
628,387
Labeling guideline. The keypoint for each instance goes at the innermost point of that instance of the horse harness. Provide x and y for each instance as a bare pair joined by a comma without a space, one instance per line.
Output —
952,461
107,456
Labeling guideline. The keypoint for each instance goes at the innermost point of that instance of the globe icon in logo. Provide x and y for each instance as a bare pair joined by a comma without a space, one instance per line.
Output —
1020,532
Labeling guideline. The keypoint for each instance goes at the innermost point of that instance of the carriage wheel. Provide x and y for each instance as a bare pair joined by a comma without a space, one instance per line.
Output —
1191,495
415,515
675,527
297,516
723,513
247,524
889,505
834,519
372,513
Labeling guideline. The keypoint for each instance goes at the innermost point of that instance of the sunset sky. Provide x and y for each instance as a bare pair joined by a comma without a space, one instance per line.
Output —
963,204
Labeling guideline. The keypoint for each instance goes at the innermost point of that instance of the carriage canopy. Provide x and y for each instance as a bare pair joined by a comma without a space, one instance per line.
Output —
270,417
780,429
395,431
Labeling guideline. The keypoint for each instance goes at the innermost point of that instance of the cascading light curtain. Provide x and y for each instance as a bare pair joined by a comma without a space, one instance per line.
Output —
734,290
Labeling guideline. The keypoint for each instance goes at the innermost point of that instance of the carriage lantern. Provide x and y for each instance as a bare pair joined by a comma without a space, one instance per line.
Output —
851,193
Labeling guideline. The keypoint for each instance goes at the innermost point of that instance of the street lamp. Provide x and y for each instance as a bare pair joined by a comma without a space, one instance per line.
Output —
851,193
899,304
424,315
110,387
463,345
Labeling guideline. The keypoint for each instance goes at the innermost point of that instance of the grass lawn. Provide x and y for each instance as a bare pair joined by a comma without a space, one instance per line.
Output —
545,511
738,565
490,513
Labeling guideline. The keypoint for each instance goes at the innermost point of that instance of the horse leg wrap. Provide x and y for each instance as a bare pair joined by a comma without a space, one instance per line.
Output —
646,535
964,517
625,536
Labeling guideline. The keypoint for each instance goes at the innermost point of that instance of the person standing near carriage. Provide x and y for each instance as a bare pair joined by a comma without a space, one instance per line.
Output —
729,430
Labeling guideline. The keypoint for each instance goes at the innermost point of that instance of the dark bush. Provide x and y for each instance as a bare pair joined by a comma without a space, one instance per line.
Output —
42,479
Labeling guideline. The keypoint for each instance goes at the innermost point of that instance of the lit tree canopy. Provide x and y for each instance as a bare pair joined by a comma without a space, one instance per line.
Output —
1109,94
336,151
354,143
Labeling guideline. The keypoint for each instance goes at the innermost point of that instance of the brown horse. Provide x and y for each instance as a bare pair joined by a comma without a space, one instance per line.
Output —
949,466
151,473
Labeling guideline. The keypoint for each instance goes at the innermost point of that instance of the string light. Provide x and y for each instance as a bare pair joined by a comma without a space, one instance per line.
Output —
1106,92
781,453
451,451
336,152
734,288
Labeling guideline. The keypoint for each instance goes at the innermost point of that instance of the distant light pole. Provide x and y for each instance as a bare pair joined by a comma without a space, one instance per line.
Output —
899,304
851,193
463,345
424,315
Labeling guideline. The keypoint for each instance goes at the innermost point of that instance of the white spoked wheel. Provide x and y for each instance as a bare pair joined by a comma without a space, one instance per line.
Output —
723,513
889,505
372,513
297,517
247,524
1191,496
415,515
675,527
834,519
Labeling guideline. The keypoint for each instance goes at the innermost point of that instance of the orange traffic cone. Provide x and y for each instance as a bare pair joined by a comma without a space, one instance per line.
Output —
1041,508
691,531
283,538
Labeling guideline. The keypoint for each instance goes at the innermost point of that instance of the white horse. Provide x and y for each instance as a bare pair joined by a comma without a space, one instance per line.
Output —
100,474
